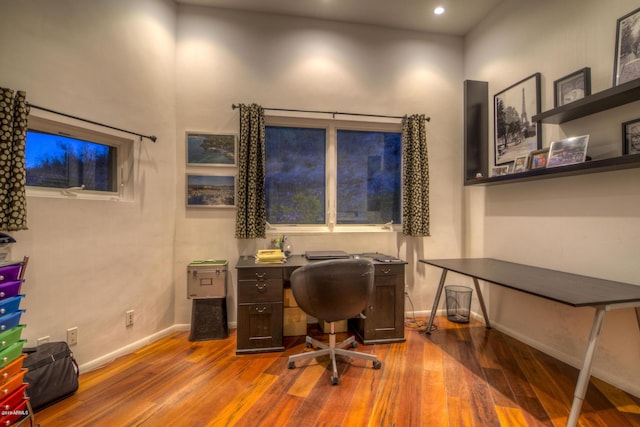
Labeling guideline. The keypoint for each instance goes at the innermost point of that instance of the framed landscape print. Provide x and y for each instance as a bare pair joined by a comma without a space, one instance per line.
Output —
211,191
568,151
627,59
572,87
208,149
515,134
631,137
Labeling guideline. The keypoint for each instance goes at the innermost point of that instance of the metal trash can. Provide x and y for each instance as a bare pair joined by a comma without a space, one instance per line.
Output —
207,286
458,300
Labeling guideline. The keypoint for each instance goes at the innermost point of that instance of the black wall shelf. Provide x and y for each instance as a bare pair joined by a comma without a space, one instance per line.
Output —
596,103
593,166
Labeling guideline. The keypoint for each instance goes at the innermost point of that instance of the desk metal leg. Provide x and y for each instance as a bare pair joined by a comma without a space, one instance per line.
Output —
638,316
482,306
443,277
585,372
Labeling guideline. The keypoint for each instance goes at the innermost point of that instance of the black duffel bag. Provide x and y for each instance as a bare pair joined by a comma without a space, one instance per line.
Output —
53,374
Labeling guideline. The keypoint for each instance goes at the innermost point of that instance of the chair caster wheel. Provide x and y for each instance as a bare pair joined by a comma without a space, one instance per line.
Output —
334,380
308,345
355,344
377,364
291,365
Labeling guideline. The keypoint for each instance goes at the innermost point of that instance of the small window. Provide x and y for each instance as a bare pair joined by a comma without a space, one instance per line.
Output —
61,156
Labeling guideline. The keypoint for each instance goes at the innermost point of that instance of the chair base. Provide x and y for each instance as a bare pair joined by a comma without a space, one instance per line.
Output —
333,350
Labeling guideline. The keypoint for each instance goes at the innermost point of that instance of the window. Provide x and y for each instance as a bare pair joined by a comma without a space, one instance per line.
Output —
325,173
61,156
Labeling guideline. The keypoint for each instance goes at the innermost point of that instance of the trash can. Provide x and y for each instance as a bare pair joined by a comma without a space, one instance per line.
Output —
207,287
458,300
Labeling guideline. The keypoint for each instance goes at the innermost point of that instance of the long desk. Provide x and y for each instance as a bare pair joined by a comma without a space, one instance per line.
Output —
571,289
260,304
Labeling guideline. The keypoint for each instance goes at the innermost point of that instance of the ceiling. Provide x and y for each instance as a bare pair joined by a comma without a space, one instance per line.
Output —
460,17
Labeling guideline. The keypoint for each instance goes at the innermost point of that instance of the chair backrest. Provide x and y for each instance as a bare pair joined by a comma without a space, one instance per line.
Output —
333,290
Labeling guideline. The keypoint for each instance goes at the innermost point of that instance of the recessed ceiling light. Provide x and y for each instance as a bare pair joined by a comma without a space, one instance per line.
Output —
438,10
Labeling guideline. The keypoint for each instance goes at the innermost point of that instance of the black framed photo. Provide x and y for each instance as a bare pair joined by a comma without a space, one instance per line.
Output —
211,191
627,59
568,151
514,133
631,137
538,159
572,87
209,149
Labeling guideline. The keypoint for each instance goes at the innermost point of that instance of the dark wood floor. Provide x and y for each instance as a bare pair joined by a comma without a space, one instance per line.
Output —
461,375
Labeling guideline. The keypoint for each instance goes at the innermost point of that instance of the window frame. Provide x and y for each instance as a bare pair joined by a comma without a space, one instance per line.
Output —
331,127
123,167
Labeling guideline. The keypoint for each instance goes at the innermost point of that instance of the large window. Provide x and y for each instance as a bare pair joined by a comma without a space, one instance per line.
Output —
60,156
325,173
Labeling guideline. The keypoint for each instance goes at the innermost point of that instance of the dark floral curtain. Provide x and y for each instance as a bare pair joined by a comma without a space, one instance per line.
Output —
14,112
415,175
251,215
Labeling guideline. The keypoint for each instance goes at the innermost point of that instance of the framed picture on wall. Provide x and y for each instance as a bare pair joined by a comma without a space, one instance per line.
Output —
210,149
631,137
515,134
568,151
572,87
211,191
627,59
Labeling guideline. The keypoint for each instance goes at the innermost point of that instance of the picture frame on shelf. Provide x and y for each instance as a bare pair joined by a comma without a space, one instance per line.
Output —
568,151
500,170
572,87
520,164
514,133
631,137
627,60
538,159
211,149
210,191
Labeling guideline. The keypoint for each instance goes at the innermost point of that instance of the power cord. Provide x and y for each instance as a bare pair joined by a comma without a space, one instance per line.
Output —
419,325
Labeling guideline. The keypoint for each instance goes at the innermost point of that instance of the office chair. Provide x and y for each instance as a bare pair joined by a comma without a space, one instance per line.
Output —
333,290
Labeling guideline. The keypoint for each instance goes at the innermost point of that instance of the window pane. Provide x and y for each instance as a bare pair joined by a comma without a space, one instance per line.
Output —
368,177
61,162
295,175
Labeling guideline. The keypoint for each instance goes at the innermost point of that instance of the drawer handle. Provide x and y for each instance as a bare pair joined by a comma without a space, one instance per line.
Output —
261,275
2,311
1,277
5,391
3,343
3,327
261,287
386,270
5,375
261,309
2,294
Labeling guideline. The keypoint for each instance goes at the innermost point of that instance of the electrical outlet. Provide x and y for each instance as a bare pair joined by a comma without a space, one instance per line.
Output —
72,336
128,318
43,340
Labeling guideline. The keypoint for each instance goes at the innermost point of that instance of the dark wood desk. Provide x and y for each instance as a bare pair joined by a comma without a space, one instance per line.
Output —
260,304
566,288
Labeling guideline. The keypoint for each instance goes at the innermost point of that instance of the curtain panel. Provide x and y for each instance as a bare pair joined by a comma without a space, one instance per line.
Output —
14,112
251,219
415,175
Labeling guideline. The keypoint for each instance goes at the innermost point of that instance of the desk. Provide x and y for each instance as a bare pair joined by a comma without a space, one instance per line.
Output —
260,304
566,288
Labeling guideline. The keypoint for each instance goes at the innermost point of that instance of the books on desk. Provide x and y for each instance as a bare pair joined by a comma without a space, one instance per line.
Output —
270,256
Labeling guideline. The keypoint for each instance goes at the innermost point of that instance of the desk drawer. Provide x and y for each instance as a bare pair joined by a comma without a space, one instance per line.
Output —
389,269
260,273
250,291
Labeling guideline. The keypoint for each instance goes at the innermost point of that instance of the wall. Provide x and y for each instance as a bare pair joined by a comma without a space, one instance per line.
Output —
91,260
586,224
226,57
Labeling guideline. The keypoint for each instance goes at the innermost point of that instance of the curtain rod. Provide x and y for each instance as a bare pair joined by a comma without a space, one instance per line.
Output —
151,137
235,106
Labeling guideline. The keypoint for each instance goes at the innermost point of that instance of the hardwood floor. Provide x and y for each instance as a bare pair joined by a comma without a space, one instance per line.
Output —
461,375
